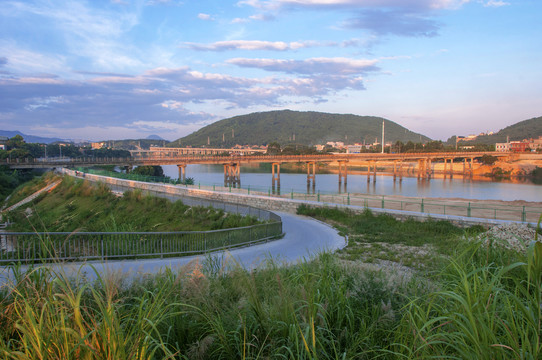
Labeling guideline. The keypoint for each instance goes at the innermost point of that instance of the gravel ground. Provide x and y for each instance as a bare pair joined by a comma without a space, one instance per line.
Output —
510,236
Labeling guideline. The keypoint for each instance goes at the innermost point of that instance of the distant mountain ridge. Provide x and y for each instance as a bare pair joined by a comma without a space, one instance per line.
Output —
299,127
30,138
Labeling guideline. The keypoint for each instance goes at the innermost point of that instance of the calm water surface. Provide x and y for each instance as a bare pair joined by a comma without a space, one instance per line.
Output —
457,187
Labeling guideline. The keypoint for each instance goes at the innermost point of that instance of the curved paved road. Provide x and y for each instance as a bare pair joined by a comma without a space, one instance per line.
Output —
304,237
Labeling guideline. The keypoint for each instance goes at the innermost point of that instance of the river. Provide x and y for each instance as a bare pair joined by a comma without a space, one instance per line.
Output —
438,187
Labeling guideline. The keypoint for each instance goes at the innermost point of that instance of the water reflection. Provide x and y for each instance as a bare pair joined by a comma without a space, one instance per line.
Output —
359,182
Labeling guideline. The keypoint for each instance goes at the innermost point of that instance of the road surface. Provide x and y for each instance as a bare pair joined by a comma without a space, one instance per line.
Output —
304,238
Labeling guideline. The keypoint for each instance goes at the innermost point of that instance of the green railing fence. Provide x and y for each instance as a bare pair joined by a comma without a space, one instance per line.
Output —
47,247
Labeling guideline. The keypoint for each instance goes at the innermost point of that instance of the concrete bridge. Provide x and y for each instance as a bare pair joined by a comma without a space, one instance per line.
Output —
232,162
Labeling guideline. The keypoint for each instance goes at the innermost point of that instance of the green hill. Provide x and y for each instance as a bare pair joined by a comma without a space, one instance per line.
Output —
526,129
309,128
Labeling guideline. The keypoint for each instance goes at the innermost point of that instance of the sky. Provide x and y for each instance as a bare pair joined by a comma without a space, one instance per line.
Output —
118,69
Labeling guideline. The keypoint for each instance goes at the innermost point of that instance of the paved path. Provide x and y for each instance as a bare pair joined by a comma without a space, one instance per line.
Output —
304,238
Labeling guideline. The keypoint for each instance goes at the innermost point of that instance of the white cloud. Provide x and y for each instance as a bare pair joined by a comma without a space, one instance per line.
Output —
309,66
496,3
427,4
172,105
203,16
253,45
88,32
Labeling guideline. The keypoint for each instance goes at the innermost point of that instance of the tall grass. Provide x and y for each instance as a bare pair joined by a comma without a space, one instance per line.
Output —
489,307
485,303
77,205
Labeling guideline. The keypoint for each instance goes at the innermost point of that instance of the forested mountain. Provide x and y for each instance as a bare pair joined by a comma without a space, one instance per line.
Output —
526,129
288,127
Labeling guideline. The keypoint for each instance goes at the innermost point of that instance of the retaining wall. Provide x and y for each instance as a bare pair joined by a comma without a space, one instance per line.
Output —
281,204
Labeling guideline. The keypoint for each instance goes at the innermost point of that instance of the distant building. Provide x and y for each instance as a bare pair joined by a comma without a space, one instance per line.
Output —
502,147
519,146
536,144
336,144
354,149
3,141
97,145
319,147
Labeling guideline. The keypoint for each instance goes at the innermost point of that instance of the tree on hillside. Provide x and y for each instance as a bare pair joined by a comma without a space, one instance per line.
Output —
273,148
15,142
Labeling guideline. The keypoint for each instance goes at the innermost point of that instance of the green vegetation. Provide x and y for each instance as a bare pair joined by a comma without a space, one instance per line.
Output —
77,205
488,159
17,148
483,304
149,171
109,171
11,179
309,128
376,238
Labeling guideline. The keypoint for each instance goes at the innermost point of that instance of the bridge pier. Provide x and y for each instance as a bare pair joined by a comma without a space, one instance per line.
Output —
311,173
182,172
275,171
232,174
396,171
429,169
451,171
467,170
343,171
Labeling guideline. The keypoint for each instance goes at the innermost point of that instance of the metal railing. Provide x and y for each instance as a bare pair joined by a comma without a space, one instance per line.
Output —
48,247
524,213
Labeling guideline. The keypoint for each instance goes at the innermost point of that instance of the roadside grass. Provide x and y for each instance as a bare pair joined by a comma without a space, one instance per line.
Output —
374,238
77,205
480,306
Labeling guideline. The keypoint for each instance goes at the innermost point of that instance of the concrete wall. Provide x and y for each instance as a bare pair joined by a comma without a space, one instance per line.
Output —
281,204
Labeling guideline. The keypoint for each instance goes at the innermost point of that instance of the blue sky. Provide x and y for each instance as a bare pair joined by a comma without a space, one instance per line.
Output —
113,69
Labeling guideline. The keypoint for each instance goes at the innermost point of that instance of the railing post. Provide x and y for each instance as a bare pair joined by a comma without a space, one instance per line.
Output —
468,210
348,198
523,215
213,187
382,201
249,190
318,195
292,194
422,207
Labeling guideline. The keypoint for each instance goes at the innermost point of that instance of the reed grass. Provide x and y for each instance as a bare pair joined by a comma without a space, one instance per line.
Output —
483,303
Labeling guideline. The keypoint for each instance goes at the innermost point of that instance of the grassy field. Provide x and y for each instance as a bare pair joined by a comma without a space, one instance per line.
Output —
76,205
377,238
482,305
461,299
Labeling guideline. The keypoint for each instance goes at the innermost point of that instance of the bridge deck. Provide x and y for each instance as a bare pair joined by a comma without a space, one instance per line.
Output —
161,159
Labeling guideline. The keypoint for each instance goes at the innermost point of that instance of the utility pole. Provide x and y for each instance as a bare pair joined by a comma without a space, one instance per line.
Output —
382,136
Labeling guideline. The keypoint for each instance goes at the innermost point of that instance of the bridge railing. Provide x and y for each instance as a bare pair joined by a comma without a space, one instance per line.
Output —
466,208
78,246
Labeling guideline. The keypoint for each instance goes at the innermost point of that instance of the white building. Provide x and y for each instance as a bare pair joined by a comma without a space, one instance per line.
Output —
502,147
